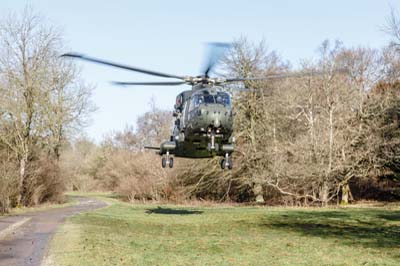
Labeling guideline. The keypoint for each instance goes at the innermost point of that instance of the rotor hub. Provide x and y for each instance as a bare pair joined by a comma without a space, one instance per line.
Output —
203,80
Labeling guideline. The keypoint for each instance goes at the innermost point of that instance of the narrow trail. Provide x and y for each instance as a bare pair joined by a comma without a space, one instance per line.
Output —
26,245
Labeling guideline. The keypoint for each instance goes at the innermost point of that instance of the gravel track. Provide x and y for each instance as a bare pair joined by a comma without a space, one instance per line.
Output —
26,245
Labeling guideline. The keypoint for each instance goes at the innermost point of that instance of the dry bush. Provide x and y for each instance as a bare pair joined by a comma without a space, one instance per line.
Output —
137,175
8,185
114,167
203,179
45,183
79,164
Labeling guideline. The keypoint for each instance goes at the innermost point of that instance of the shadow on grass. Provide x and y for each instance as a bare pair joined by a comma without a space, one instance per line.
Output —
367,227
160,210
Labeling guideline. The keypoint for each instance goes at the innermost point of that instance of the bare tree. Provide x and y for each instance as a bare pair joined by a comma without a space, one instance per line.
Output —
40,95
392,27
154,126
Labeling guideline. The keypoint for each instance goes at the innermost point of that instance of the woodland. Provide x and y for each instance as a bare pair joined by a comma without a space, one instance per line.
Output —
313,140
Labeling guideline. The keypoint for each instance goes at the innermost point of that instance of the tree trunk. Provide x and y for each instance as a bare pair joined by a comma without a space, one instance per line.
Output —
258,191
330,140
345,194
22,173
324,194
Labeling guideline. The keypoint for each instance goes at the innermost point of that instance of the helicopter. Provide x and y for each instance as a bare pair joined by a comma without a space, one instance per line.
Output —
203,124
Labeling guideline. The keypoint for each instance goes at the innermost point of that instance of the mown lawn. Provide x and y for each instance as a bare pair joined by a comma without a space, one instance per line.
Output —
124,234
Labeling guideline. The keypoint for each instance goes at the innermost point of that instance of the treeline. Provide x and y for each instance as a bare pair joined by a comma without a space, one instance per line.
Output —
43,102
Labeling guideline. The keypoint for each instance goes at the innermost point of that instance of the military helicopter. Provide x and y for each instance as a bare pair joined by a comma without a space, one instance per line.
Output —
203,115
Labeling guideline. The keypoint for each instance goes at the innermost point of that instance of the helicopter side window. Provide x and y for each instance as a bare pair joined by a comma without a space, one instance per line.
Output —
178,103
197,100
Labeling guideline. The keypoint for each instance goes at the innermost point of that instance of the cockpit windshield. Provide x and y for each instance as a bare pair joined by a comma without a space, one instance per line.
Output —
223,98
207,98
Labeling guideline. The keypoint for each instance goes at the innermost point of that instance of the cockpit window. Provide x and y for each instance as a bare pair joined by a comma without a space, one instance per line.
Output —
203,98
207,98
223,98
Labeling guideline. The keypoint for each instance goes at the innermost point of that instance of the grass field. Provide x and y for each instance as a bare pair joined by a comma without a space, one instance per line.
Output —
125,234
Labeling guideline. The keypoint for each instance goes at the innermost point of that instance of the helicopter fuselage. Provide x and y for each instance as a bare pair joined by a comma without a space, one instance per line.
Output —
203,124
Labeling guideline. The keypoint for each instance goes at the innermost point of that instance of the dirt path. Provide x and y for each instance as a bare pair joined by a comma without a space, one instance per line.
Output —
27,244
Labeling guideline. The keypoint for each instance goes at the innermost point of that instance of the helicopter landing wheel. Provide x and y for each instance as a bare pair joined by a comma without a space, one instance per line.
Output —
230,165
226,162
222,163
167,159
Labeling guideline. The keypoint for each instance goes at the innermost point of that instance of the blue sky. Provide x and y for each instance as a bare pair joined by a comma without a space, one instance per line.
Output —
169,36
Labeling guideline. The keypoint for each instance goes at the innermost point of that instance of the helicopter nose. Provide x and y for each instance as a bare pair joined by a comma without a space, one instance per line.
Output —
219,117
217,122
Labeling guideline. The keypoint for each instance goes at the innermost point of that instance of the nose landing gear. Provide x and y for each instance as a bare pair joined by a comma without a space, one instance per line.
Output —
227,162
212,146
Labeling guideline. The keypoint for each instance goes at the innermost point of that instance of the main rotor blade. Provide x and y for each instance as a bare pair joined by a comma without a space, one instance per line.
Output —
148,83
289,75
216,51
131,68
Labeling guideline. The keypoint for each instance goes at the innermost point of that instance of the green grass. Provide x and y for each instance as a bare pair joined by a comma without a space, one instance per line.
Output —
124,234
